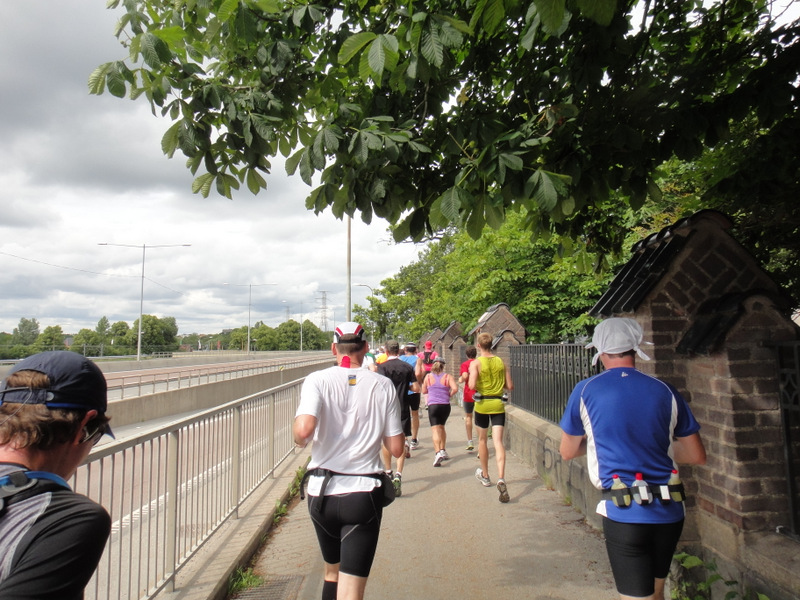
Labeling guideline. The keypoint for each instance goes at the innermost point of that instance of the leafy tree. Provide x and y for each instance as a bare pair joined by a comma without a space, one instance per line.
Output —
158,335
86,338
288,334
238,339
52,338
26,332
314,338
457,112
462,278
103,329
119,332
264,337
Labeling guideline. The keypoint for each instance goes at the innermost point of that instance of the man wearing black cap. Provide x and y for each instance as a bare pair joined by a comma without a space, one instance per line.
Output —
349,412
52,411
402,376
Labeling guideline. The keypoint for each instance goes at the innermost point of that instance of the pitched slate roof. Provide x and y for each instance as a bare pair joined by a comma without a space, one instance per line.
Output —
487,315
651,260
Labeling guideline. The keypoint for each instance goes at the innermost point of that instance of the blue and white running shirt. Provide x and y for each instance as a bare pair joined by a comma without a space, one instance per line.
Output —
629,419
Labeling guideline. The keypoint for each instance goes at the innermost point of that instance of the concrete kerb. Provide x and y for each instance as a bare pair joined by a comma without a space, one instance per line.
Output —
206,575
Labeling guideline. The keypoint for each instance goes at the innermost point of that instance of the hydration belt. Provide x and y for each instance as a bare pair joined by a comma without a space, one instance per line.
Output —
662,492
326,474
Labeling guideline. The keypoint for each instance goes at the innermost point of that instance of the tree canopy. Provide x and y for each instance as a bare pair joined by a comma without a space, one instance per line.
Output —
458,278
455,112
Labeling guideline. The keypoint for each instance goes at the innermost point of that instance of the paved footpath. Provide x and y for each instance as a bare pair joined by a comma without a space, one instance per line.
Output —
448,537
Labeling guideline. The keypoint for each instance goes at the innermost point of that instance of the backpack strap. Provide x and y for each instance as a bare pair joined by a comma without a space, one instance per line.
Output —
20,485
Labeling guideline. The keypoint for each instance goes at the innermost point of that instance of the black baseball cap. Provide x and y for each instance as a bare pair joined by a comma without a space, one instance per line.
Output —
75,383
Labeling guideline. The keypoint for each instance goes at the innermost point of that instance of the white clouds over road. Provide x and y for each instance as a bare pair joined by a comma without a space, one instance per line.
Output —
77,170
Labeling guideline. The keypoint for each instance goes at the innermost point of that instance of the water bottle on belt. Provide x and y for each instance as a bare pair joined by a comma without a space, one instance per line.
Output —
641,491
623,498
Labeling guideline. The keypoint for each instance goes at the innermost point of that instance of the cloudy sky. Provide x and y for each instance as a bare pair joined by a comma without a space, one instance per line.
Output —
79,170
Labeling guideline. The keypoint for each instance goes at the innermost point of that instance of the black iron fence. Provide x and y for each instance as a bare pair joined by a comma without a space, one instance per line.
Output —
544,375
789,384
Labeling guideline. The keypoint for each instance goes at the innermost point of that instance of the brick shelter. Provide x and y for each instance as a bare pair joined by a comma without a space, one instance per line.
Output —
506,329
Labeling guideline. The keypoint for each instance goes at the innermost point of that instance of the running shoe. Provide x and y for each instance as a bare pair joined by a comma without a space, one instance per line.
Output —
485,481
414,444
501,487
470,446
437,461
445,455
398,485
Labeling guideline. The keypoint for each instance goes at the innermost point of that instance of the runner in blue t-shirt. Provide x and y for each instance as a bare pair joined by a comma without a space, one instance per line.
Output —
629,423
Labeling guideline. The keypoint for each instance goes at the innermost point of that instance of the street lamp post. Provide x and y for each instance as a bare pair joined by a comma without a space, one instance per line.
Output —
141,296
374,325
249,304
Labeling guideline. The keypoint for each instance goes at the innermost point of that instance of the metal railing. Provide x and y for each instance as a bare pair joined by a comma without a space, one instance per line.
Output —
168,490
789,391
140,384
545,374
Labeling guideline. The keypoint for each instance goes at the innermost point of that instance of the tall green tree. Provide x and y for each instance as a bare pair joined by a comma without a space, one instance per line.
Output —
118,333
52,338
456,112
288,335
103,329
26,332
264,337
86,341
314,338
158,334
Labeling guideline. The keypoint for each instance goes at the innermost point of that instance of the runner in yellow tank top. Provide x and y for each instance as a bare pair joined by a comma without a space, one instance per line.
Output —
490,376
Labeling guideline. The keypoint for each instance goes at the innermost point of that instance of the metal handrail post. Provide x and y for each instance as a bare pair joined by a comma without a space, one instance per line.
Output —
271,429
236,461
172,508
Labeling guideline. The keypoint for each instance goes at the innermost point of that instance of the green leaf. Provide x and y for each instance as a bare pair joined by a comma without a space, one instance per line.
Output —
599,11
171,35
269,6
494,15
97,80
169,141
202,184
451,204
495,215
432,48
255,182
353,46
552,13
292,162
115,83
548,187
376,57
457,24
476,222
226,9
306,170
510,161
155,51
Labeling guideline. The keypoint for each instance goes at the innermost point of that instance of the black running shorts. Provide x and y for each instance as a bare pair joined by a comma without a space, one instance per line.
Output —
639,553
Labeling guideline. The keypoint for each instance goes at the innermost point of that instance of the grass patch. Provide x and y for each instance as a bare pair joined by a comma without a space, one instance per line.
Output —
243,579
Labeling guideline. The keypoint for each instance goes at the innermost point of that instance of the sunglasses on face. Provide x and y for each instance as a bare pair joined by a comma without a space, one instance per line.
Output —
93,435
